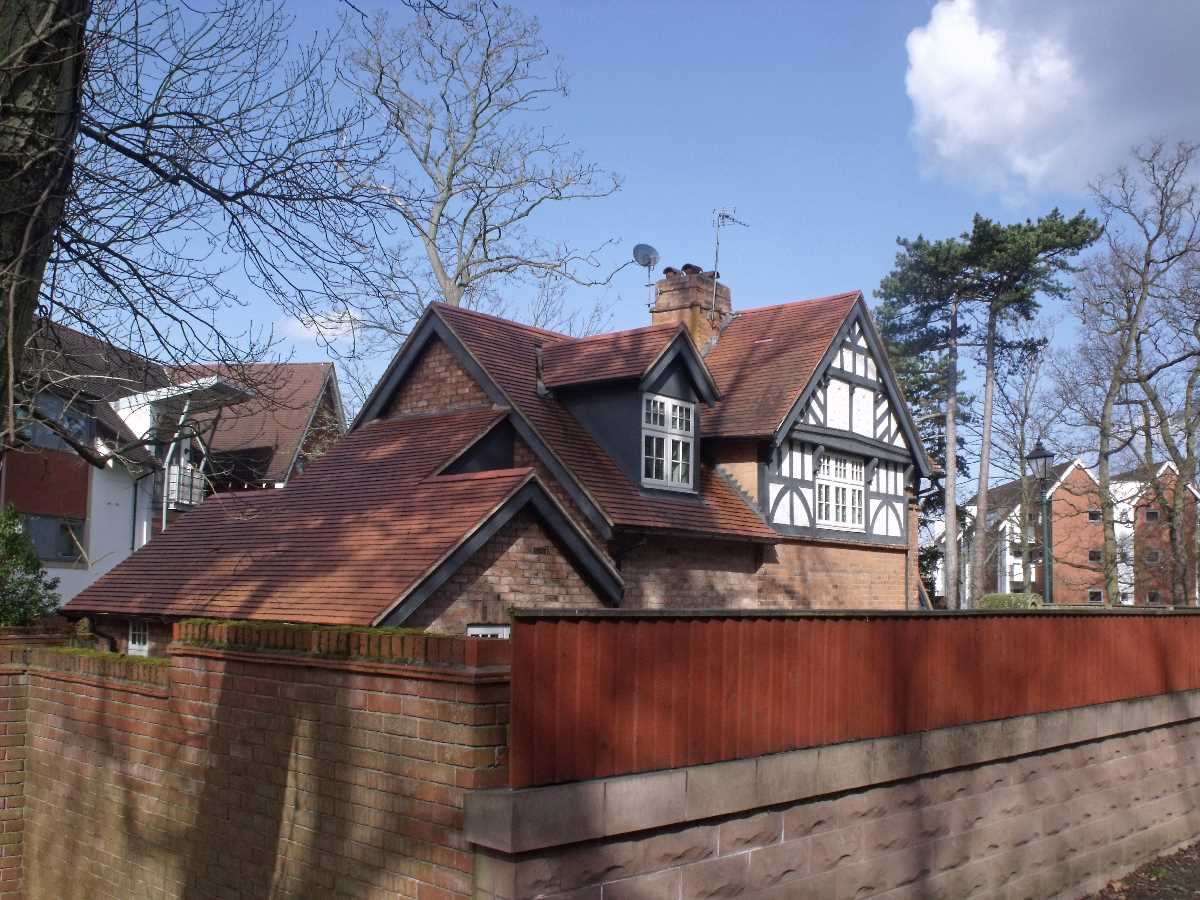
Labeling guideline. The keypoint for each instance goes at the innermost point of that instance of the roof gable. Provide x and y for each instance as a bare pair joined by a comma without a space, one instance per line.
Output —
505,354
858,330
764,358
361,531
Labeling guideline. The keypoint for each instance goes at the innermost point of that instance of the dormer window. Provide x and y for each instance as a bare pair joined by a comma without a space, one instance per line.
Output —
668,436
840,492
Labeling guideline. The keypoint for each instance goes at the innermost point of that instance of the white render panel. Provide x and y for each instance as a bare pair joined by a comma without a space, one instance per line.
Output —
837,405
863,416
802,517
782,514
112,529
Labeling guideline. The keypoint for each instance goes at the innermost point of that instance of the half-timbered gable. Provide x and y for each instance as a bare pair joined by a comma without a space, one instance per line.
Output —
843,461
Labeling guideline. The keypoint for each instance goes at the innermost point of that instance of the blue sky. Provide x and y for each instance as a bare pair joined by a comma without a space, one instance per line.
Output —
835,127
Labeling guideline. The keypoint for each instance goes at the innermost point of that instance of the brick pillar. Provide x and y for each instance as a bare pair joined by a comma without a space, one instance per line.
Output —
13,702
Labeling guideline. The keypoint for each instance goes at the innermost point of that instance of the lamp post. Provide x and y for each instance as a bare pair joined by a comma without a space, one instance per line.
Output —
1040,460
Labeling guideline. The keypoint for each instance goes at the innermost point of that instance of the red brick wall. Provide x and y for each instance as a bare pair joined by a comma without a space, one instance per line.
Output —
114,634
1073,536
665,573
228,773
13,760
437,383
1147,536
520,566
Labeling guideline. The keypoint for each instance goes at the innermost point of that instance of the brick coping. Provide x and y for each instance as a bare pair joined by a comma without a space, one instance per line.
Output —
458,674
514,821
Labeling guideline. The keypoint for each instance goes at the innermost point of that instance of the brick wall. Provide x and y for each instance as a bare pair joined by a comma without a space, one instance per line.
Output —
665,573
261,762
1149,536
437,383
739,460
13,760
1057,824
520,566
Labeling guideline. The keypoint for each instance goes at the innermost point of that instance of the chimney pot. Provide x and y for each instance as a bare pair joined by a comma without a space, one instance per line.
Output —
694,298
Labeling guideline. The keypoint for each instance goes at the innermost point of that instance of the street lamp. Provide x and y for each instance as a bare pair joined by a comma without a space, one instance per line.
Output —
1040,459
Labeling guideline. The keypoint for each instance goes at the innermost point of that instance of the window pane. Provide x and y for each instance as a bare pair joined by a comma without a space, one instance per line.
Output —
681,462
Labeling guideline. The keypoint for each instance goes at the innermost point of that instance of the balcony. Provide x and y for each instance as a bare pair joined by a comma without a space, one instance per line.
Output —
185,486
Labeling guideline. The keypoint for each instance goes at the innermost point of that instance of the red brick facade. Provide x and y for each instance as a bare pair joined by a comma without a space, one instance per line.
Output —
519,567
680,573
1075,535
1154,561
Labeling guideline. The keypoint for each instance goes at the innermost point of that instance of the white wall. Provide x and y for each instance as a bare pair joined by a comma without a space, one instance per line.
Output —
110,532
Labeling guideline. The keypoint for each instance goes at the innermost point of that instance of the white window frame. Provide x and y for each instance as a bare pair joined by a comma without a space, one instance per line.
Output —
671,424
138,643
1099,600
840,491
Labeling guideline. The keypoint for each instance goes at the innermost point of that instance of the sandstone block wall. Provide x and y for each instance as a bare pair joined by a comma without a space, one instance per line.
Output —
1050,824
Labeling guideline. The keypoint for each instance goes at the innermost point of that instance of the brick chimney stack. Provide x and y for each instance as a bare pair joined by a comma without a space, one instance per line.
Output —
687,296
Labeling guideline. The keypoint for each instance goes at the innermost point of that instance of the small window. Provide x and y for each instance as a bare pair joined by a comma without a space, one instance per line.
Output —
1153,557
500,632
1094,515
139,638
1095,595
55,539
668,435
1095,556
1152,515
1154,598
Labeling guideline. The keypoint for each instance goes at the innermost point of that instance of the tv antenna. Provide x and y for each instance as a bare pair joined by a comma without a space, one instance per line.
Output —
646,256
722,217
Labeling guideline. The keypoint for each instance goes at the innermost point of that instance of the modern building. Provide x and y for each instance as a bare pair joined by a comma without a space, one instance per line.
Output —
164,440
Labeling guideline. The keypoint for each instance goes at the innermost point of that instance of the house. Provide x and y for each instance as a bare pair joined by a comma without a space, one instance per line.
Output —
161,432
294,416
712,459
1145,563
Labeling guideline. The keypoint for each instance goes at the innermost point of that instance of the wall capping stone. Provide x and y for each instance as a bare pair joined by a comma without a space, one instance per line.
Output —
515,821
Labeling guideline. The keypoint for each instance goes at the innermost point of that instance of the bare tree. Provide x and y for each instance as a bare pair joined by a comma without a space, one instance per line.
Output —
471,169
1166,373
41,73
1023,412
208,143
1152,232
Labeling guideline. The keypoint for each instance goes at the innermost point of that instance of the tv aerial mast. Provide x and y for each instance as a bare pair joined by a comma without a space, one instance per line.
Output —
722,217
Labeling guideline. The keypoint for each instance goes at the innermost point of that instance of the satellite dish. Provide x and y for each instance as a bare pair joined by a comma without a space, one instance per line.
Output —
645,255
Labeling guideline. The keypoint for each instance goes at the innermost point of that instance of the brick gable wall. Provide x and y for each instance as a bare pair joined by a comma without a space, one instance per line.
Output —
520,566
437,382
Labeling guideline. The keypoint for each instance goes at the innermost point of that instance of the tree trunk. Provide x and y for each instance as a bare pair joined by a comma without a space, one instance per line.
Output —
41,45
1107,507
950,536
980,544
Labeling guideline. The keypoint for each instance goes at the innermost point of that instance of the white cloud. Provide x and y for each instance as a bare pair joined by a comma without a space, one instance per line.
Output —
327,327
1023,97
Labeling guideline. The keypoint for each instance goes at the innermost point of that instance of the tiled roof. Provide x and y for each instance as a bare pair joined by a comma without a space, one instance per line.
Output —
763,360
1006,496
339,545
273,423
606,357
506,352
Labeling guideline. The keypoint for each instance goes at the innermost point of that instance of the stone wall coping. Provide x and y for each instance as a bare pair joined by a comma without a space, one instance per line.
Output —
530,614
514,821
